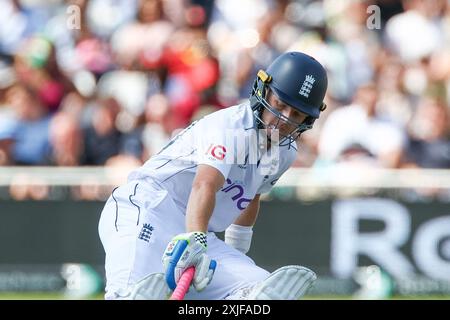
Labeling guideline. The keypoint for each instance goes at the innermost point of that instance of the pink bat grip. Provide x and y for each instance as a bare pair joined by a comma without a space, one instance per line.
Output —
183,284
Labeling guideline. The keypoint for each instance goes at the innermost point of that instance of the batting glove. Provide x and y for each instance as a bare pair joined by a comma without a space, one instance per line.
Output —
186,250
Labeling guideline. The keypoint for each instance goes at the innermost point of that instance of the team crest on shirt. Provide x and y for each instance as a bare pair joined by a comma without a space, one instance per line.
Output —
146,232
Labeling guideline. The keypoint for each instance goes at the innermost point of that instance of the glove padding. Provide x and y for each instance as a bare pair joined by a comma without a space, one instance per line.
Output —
186,250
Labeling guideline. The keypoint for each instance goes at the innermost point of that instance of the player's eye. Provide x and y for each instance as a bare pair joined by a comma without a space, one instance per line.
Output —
280,106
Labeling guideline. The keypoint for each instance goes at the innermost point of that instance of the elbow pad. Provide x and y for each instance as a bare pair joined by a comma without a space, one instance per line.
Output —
239,237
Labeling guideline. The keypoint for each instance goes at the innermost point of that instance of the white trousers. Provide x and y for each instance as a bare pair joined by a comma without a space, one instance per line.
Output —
138,221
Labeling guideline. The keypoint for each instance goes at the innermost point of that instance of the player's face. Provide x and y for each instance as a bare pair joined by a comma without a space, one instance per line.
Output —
295,117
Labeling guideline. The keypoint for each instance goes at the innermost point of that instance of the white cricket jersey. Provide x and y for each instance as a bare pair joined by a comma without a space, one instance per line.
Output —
221,140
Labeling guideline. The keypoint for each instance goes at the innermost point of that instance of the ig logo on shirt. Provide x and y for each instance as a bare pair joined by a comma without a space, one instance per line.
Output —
217,151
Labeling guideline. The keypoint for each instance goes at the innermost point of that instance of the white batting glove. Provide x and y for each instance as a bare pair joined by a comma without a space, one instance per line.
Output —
186,250
239,237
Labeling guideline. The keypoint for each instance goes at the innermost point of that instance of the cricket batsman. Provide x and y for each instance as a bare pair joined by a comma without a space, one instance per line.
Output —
209,179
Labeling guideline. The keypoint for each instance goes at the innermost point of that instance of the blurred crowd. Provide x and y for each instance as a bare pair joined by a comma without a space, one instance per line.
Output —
109,82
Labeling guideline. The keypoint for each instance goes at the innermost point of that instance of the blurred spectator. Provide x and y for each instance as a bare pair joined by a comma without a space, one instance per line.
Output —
94,55
352,45
430,135
105,16
394,101
102,140
156,132
129,88
101,137
360,124
26,129
66,140
192,73
251,60
416,25
141,42
355,157
231,33
36,66
14,26
21,19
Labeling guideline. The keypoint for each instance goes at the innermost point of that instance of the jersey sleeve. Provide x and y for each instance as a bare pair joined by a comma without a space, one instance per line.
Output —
213,149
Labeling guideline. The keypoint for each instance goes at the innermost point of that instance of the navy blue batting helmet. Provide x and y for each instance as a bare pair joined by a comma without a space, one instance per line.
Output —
298,80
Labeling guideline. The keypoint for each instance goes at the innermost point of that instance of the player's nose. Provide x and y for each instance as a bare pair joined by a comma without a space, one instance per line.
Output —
288,112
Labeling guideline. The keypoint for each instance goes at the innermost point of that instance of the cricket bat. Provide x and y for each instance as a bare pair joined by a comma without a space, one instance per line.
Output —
183,284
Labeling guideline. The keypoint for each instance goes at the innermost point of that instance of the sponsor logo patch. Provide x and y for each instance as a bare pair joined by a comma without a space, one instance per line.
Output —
217,151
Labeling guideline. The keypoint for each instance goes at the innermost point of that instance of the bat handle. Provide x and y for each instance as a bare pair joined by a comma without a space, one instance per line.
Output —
183,284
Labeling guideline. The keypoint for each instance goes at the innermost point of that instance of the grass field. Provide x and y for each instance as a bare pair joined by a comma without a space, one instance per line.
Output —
42,296
58,296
